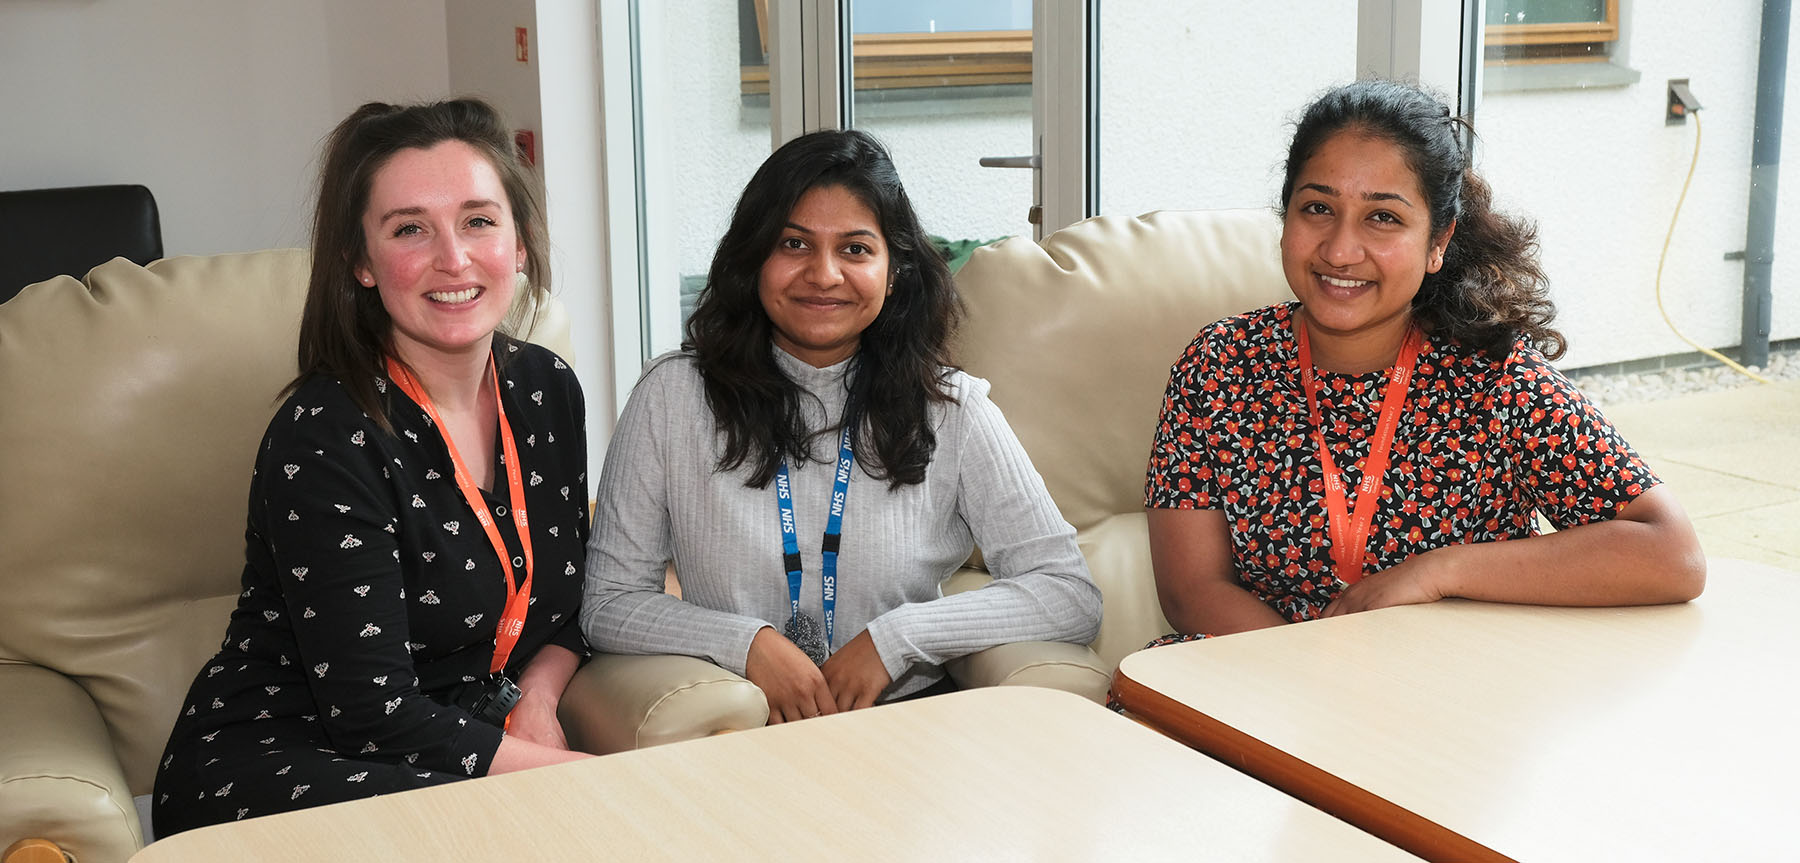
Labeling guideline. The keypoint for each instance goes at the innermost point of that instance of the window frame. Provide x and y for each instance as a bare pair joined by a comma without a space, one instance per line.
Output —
1556,42
963,58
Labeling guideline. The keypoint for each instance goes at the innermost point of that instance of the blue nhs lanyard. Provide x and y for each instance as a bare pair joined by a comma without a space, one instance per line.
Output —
834,532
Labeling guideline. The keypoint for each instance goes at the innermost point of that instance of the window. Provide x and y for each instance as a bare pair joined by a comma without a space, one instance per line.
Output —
1554,45
1551,31
924,44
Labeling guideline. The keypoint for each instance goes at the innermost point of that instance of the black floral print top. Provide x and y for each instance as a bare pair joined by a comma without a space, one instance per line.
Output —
1484,444
370,593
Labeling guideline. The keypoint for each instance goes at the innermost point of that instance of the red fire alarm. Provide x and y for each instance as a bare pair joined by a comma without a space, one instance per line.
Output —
526,141
522,44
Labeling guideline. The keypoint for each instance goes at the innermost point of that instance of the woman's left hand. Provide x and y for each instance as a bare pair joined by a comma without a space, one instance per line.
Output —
856,673
1415,581
534,719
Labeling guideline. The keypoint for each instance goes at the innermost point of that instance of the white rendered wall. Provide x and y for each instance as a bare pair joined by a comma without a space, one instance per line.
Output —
1196,112
218,107
1600,172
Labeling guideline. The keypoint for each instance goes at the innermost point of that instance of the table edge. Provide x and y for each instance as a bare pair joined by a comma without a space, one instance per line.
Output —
1352,804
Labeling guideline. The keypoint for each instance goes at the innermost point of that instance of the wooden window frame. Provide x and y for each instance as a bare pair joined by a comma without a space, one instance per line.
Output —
899,60
1565,42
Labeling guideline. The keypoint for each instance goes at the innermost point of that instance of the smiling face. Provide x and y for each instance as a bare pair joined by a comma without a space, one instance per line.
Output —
827,277
442,249
1356,242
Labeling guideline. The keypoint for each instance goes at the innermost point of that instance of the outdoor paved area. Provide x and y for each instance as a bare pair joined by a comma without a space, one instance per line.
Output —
1732,457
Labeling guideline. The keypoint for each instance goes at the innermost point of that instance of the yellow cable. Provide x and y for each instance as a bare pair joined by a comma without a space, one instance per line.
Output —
1665,256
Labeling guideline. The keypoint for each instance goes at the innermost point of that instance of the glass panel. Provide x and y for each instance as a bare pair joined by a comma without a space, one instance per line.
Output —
1576,134
1196,97
943,83
1594,161
705,127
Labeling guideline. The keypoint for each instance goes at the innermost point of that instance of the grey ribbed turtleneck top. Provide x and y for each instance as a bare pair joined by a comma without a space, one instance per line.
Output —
661,499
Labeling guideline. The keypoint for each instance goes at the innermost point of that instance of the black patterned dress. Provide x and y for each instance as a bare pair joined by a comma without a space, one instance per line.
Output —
1482,447
370,597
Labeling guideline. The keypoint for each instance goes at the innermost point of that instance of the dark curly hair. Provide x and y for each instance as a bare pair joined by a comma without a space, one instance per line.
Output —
902,363
345,331
1491,288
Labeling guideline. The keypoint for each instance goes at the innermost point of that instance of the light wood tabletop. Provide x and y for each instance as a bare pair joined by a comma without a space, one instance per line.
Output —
1008,773
1471,731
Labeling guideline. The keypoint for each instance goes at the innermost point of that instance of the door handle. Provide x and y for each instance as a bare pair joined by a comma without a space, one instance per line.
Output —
1031,161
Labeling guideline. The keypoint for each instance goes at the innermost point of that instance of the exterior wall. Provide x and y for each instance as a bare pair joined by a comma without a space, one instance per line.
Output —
1600,172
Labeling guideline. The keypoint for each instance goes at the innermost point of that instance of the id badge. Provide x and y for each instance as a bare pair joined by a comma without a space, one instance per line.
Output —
498,696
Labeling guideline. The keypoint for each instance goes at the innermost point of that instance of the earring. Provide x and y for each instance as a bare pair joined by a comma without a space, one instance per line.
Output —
367,281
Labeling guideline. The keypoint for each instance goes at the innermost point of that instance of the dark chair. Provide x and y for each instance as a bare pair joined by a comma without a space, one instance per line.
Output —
54,232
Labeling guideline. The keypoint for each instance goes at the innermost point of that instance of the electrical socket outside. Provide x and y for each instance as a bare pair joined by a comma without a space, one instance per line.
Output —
1681,102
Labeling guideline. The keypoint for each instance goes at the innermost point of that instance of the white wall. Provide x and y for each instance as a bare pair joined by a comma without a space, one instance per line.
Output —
483,59
217,106
1196,109
1600,172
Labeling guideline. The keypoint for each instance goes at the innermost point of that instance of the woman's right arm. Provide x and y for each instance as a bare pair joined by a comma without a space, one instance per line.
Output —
625,608
1196,583
1190,540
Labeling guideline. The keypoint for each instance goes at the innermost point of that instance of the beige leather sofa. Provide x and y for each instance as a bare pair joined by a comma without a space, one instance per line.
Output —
130,409
1076,335
131,404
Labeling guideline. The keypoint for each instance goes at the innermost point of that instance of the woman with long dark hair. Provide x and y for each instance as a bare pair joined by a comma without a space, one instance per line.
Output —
1375,442
814,397
403,622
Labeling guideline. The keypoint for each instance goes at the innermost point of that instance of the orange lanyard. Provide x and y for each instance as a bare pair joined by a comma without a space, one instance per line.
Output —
518,597
1350,539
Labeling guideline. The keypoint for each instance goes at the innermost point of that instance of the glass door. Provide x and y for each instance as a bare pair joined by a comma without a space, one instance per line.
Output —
700,94
1200,95
945,84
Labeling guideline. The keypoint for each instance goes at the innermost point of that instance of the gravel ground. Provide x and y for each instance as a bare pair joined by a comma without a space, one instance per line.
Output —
1654,386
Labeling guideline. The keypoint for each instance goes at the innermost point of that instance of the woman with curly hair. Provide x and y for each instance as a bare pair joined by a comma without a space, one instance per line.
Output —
1393,436
813,397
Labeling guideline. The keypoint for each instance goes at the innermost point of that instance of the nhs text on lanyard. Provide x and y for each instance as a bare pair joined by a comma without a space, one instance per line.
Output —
801,628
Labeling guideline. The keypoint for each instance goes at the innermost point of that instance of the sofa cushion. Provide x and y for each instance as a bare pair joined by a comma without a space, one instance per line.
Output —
1077,335
130,411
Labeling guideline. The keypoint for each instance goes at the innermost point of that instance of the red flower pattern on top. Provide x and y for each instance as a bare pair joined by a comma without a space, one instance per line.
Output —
1484,445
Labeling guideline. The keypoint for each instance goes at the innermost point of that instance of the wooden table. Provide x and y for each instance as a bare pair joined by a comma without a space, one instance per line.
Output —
1474,731
1009,773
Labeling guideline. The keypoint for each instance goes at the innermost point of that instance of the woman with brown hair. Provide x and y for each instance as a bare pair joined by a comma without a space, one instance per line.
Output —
403,622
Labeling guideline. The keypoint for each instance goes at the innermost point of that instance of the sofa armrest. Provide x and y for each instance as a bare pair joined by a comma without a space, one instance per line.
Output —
1117,550
618,702
59,778
1051,664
